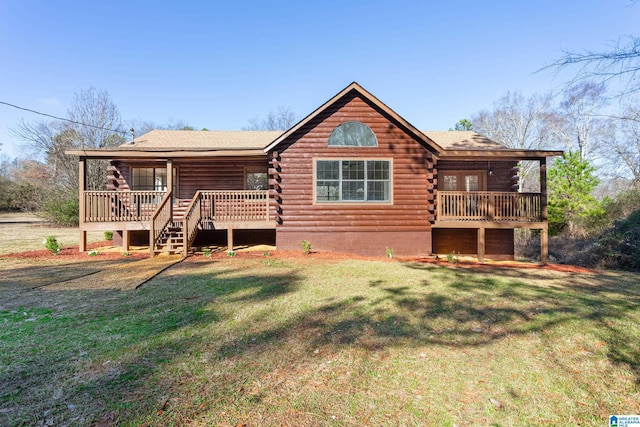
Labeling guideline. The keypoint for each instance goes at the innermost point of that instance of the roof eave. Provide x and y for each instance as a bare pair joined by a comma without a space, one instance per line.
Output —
148,154
499,154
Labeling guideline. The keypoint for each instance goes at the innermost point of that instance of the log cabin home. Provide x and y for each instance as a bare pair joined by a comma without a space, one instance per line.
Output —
353,176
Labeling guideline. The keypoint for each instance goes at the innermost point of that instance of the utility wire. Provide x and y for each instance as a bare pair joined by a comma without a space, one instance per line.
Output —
62,118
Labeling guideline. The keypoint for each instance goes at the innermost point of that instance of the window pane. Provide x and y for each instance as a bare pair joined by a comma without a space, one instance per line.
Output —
450,183
327,191
257,181
378,191
160,182
353,190
142,179
327,169
472,183
352,134
377,169
353,169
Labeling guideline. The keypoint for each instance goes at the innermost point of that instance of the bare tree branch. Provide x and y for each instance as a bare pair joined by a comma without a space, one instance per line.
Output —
621,62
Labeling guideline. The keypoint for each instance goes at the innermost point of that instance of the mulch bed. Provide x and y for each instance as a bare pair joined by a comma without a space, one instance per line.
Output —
71,253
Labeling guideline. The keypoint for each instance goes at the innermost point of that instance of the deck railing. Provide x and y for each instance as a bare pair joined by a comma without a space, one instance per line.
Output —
488,206
160,219
120,206
235,206
191,220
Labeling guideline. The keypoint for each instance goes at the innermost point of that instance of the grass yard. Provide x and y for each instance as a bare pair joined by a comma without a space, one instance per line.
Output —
24,232
263,341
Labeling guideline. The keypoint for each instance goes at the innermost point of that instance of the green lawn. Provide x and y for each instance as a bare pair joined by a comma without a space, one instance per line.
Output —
266,341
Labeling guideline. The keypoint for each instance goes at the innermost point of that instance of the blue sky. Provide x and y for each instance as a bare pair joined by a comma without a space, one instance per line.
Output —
218,64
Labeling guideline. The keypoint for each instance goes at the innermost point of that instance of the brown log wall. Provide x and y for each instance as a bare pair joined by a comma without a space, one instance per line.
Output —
410,212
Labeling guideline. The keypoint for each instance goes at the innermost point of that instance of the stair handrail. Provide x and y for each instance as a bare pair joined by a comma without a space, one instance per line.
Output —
161,218
191,221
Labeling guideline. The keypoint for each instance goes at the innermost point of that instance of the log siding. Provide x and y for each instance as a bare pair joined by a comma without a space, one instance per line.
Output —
410,212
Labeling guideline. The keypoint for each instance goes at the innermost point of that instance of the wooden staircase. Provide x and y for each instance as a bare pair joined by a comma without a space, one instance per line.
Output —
171,240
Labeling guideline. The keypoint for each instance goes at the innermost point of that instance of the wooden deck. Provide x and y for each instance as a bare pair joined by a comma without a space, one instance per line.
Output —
459,209
135,209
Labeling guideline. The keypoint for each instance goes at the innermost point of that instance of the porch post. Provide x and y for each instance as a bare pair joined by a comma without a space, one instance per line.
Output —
481,244
544,233
170,185
544,246
229,239
126,235
82,184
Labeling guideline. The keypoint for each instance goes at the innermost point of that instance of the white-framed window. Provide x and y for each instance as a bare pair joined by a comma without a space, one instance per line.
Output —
352,180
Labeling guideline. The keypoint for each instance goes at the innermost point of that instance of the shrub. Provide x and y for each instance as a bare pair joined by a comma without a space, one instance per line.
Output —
306,247
51,243
108,235
389,252
63,212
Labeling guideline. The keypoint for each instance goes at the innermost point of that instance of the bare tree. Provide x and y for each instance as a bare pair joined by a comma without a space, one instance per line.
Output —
281,119
622,62
582,126
520,123
93,121
623,147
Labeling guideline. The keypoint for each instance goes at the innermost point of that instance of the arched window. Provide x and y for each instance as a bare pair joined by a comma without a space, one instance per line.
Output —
353,134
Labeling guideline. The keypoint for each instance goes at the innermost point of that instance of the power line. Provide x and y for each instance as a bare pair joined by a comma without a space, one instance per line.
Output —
62,118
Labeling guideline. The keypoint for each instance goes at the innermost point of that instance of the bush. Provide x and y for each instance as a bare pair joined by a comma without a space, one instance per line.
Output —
63,211
51,243
306,247
108,235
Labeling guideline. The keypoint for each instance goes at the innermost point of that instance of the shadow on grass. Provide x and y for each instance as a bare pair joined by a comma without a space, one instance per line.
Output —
162,324
116,339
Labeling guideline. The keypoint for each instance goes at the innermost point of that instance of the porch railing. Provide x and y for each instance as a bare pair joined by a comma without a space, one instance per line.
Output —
488,206
191,221
235,206
160,219
120,206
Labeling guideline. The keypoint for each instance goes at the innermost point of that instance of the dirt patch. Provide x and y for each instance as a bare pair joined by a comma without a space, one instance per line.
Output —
123,276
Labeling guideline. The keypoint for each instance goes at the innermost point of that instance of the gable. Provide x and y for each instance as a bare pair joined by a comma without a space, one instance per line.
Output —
344,97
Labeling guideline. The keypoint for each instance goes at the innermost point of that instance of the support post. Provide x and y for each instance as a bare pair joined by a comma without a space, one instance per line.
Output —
126,236
543,189
170,185
544,233
82,184
229,239
544,246
481,244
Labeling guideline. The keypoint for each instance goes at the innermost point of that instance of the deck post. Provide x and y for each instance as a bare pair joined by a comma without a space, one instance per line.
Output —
481,244
544,246
170,184
229,239
126,235
82,183
544,233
